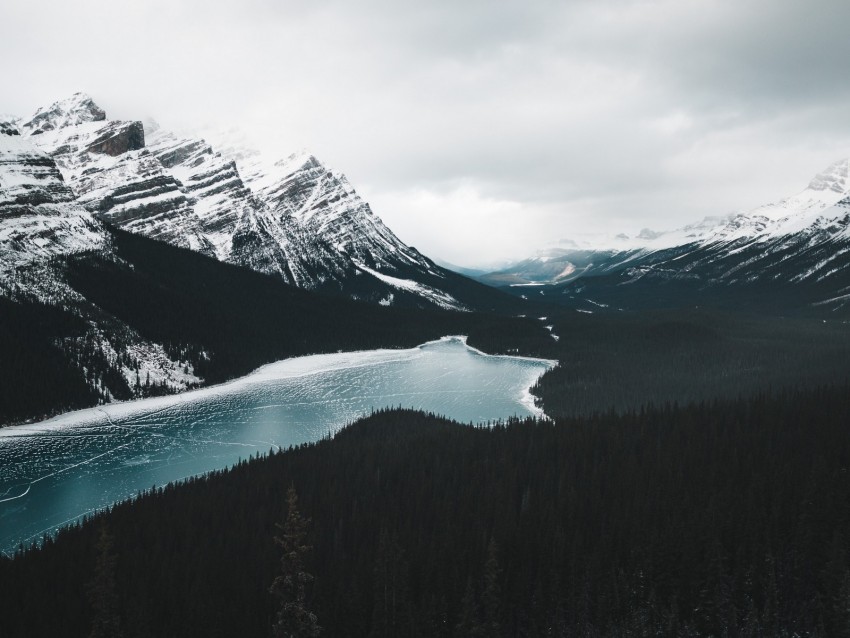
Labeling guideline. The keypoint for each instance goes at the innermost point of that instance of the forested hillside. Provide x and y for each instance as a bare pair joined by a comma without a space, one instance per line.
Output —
722,518
220,320
623,361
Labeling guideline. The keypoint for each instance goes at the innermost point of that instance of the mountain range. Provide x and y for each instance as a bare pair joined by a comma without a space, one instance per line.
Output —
140,261
134,262
293,218
69,167
788,256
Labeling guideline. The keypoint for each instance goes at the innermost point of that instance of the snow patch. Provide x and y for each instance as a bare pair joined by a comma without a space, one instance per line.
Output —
438,297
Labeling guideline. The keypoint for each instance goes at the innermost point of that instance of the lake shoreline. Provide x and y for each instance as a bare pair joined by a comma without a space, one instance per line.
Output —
60,469
268,371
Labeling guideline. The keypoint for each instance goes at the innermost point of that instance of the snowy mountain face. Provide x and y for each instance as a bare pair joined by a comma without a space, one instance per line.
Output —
294,218
41,223
39,218
797,249
69,177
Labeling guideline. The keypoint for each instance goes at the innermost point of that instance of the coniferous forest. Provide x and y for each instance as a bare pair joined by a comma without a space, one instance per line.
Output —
727,518
694,480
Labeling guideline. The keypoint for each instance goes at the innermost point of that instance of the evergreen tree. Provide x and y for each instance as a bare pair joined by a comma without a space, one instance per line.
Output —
469,623
294,619
771,616
389,613
102,591
836,595
491,592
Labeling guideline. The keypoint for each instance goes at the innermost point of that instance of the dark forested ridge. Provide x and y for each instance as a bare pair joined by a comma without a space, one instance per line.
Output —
626,360
37,376
242,318
729,518
221,320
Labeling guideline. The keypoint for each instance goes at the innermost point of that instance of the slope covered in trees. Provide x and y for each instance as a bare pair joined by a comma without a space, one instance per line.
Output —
623,361
728,518
221,320
36,376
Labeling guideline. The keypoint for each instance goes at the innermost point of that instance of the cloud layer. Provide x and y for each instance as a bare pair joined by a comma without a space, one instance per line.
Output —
478,131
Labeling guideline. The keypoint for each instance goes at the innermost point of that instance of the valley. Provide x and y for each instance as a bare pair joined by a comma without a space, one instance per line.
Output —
645,437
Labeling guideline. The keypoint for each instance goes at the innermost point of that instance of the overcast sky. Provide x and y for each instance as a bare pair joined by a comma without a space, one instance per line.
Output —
478,130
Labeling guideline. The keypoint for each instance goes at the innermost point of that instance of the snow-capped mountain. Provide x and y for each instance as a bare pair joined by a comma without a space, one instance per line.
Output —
294,218
118,315
795,251
818,202
39,218
41,223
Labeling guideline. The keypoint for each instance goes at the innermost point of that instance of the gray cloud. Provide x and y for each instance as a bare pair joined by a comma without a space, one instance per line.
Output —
514,123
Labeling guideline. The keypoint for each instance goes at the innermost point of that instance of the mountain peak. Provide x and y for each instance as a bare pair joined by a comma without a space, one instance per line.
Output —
836,177
301,159
77,109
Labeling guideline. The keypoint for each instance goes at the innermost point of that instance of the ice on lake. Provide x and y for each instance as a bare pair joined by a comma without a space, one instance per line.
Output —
53,472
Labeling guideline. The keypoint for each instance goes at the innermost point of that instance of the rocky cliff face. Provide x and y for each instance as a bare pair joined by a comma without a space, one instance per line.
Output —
77,109
38,216
41,224
294,218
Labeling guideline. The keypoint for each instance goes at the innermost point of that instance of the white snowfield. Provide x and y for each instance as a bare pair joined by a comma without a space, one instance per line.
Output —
439,297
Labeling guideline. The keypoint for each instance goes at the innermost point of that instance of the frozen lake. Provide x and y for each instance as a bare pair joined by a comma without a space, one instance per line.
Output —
53,472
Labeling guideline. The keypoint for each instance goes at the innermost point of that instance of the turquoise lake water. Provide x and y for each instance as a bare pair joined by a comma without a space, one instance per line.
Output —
54,472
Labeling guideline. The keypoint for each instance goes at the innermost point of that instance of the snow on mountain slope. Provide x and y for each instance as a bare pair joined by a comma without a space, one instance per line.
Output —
325,203
814,204
38,216
77,109
40,222
798,249
440,298
294,218
113,175
237,220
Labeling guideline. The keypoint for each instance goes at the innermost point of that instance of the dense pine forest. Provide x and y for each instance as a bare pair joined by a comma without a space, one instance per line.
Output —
681,490
728,518
622,361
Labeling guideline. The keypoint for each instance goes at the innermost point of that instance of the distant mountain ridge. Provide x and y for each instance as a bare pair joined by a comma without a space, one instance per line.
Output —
792,255
294,218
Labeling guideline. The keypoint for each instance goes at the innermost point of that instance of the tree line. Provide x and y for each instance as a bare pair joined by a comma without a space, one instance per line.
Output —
626,360
721,518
